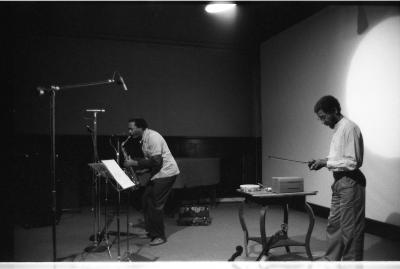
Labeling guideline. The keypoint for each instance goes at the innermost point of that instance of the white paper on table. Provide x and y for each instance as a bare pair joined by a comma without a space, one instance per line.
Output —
119,175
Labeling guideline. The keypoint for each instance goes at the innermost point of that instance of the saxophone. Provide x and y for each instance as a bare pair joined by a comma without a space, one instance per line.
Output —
128,170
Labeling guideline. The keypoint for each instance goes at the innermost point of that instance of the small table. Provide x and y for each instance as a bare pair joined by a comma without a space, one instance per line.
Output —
280,238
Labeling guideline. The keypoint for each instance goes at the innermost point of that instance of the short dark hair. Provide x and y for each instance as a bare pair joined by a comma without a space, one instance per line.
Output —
328,104
140,123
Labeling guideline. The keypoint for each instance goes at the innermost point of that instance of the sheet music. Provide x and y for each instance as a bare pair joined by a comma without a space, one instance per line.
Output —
119,175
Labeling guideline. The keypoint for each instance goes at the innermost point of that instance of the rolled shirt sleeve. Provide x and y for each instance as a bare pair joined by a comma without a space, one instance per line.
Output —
154,145
158,155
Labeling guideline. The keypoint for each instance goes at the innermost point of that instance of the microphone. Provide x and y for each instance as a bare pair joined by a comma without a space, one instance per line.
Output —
89,129
125,141
96,110
239,251
122,82
41,90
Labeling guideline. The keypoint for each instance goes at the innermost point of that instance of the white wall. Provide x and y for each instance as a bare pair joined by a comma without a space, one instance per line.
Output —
299,66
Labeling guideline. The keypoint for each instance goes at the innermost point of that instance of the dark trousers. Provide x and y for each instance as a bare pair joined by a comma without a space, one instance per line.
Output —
154,198
346,222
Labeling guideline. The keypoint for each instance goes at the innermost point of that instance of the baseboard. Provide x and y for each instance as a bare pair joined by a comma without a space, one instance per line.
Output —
230,199
320,211
374,227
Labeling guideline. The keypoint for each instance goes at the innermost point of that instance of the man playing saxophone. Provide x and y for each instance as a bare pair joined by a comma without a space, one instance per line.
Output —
163,172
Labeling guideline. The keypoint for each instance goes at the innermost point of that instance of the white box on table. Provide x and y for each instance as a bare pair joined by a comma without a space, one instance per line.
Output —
287,184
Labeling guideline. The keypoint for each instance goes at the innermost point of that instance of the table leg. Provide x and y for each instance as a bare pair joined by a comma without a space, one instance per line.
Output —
244,228
310,229
265,248
286,220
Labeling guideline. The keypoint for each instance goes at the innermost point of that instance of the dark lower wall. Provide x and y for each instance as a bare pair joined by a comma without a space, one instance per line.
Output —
239,160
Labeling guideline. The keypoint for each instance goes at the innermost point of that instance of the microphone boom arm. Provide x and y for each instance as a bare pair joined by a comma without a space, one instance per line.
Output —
42,90
96,83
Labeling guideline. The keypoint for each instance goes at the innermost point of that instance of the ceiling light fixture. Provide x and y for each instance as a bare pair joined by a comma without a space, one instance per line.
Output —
220,7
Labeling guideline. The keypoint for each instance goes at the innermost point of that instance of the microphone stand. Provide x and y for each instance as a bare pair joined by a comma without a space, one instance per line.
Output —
53,170
127,255
52,92
97,235
117,159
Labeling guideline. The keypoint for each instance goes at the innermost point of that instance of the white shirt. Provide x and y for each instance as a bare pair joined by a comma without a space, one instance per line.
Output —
154,144
347,147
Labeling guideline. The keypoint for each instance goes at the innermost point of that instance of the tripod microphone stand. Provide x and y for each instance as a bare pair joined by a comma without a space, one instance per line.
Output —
52,92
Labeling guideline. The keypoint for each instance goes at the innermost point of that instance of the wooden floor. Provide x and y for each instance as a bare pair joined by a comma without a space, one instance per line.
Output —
215,242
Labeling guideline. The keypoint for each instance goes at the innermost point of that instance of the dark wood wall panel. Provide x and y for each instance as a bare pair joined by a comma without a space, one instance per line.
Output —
239,157
240,164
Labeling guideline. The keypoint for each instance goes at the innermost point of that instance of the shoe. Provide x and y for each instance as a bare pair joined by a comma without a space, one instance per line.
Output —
157,241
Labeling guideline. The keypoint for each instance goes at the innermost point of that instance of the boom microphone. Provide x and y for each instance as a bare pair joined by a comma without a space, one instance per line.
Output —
122,82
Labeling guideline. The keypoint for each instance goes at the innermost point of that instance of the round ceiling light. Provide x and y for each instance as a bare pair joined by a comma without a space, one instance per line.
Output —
221,7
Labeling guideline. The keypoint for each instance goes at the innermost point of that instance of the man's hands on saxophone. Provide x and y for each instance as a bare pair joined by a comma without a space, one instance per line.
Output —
130,162
129,165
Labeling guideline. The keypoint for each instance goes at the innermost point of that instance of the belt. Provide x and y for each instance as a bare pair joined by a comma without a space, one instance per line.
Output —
356,175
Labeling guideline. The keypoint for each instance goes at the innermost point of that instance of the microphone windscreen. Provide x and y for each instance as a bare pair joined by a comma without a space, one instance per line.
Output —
239,250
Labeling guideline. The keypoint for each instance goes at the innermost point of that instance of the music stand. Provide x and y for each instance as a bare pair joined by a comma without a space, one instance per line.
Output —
109,169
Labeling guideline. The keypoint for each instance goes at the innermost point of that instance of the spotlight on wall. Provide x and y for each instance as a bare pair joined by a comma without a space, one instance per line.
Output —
373,83
219,7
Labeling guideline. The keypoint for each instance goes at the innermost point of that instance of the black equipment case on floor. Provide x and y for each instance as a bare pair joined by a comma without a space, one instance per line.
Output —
194,215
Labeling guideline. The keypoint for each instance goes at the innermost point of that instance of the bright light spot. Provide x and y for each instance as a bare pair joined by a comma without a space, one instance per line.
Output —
216,8
373,88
